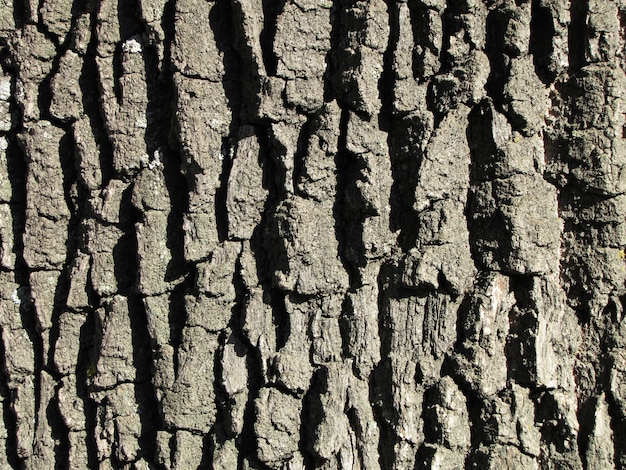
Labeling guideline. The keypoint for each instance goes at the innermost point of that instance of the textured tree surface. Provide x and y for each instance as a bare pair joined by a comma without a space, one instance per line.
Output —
335,234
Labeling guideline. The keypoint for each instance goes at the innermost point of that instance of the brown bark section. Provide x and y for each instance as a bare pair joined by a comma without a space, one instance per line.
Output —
253,234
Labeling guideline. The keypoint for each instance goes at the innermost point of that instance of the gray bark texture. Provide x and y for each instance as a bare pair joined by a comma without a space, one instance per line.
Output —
313,234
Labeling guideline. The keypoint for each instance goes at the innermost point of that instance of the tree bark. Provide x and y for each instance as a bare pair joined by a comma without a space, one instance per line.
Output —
334,234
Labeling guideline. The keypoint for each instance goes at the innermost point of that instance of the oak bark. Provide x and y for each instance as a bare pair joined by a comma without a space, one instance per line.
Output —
334,234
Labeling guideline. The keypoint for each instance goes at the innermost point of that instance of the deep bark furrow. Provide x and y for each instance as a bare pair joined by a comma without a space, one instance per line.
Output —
312,234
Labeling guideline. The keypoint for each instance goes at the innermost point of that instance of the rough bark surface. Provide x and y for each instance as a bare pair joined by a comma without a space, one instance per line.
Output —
334,234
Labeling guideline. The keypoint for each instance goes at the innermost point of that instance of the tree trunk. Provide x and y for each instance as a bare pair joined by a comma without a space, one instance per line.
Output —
334,234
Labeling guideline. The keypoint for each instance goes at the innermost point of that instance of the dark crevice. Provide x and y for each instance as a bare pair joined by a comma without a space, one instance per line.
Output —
420,29
71,194
387,82
17,172
424,457
168,24
246,442
218,430
280,316
221,193
85,370
128,16
177,318
159,138
300,156
59,432
357,429
225,39
488,235
19,13
498,60
381,397
519,348
483,428
311,416
125,257
223,429
22,272
145,397
159,112
404,150
618,426
449,26
208,448
91,106
271,10
344,56
9,418
381,378
541,37
273,176
555,431
348,225
586,418
125,263
44,95
577,35
355,210
330,92
176,185
17,167
346,320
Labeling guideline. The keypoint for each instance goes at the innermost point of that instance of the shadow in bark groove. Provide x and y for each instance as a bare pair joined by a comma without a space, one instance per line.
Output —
76,204
387,82
449,26
271,10
221,193
577,35
490,244
310,419
144,390
19,13
220,19
523,323
498,59
381,378
348,226
246,442
60,432
475,405
84,368
552,425
405,162
299,158
618,425
541,36
91,107
585,415
8,415
130,25
44,96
